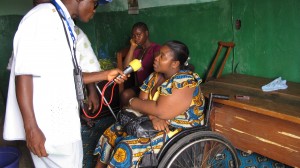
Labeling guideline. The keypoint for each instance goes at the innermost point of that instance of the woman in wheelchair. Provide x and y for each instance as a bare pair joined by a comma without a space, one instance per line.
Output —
170,96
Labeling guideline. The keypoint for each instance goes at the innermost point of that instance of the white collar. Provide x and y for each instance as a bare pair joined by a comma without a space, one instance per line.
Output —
66,12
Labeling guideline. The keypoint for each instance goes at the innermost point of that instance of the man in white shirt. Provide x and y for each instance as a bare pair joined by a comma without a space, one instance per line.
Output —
42,107
87,59
88,62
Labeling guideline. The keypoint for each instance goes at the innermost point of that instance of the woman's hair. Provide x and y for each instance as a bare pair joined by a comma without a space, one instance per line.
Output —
181,53
140,25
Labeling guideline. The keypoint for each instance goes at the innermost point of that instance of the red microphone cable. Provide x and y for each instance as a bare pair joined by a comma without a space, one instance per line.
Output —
102,102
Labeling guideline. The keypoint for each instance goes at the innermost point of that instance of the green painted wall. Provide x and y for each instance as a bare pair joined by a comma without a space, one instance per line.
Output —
266,44
8,27
188,23
14,7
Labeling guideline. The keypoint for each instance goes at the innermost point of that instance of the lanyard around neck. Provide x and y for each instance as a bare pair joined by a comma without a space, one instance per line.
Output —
77,69
62,14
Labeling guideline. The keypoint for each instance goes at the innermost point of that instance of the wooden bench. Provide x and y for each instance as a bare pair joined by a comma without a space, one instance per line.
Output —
268,123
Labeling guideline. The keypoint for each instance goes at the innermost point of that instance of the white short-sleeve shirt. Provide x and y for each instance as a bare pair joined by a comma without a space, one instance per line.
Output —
86,56
41,50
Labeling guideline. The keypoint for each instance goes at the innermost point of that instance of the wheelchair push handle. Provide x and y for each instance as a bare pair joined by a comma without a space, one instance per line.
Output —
217,96
211,97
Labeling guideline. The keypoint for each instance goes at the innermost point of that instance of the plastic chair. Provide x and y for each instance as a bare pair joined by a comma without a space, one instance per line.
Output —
229,46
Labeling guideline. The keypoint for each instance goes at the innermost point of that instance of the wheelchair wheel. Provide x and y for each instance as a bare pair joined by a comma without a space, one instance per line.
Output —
203,149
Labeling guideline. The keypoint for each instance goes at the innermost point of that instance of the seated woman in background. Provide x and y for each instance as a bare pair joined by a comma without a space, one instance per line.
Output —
170,96
143,49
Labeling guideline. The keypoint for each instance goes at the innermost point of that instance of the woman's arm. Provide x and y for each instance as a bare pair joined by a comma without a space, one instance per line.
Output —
129,56
166,107
158,124
143,95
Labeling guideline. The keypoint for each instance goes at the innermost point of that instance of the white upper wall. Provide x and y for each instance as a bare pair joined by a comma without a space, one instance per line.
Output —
122,5
20,7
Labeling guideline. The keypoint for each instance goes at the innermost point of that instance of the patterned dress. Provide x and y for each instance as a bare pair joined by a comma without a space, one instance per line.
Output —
117,149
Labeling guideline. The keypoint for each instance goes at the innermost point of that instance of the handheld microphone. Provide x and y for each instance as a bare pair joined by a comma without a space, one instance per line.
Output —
133,66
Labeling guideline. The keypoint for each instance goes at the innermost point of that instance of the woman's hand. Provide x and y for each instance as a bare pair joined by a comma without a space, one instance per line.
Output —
133,44
160,124
93,98
93,102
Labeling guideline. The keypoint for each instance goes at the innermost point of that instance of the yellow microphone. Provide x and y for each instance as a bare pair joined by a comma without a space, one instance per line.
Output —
133,66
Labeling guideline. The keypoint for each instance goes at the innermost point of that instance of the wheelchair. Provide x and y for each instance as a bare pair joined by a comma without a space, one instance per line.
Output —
197,147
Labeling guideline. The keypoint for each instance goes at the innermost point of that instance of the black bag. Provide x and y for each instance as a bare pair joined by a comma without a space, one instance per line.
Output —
136,124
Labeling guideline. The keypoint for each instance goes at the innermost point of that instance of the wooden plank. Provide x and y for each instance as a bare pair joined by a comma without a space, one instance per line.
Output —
268,123
268,136
274,104
255,83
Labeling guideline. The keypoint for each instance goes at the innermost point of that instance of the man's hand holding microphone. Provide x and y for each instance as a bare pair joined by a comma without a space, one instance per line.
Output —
133,66
113,75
